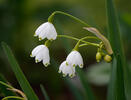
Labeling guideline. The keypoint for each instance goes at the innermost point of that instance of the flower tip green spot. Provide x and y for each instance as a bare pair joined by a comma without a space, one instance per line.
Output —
67,64
64,75
36,60
74,65
81,66
31,55
40,38
71,76
47,64
51,39
59,71
34,35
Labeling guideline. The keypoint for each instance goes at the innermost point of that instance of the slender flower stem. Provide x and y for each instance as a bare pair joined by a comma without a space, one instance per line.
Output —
90,37
73,38
6,85
13,89
50,19
12,97
83,45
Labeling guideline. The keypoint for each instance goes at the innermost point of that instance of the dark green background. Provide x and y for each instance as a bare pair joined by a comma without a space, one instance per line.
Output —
20,18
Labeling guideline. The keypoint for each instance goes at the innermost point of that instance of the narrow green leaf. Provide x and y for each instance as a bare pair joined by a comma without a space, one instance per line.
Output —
83,79
3,88
74,90
19,74
116,86
44,92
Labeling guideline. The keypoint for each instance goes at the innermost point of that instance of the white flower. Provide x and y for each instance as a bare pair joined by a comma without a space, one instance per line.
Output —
46,30
41,53
74,59
67,69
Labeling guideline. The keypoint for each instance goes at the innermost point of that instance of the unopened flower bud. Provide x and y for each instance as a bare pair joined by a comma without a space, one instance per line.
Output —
107,58
98,56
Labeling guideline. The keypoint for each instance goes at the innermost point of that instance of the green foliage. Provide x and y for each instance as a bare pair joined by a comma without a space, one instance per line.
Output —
119,78
83,79
44,92
19,74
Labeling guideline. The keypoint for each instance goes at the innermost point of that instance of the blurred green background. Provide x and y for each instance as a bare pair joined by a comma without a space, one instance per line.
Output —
20,18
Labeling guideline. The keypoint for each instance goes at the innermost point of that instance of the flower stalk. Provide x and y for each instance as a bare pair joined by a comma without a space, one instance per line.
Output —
74,59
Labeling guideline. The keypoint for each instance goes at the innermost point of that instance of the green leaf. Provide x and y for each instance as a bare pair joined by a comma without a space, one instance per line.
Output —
83,79
44,92
19,74
74,90
3,88
119,68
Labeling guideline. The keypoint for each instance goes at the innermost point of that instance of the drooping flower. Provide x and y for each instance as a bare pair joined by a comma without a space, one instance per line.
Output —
74,59
46,30
41,53
67,69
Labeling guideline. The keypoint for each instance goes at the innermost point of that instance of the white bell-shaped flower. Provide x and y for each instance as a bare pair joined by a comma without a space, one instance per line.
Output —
67,69
74,59
41,53
46,30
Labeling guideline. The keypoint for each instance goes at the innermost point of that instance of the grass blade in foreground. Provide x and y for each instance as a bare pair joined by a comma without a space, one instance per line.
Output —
19,74
116,86
44,92
83,79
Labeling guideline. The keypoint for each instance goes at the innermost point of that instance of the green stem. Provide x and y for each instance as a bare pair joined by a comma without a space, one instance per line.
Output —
77,45
47,43
73,38
83,45
12,97
50,19
6,85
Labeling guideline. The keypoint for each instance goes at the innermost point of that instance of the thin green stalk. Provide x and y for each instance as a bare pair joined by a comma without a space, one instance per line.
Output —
13,97
19,74
63,13
73,38
116,89
83,45
44,92
6,85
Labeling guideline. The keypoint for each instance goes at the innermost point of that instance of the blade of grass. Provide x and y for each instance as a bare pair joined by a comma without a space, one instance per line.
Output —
87,88
116,86
44,92
19,74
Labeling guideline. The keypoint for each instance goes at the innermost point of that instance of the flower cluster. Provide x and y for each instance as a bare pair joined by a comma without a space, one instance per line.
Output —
41,52
68,66
74,59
